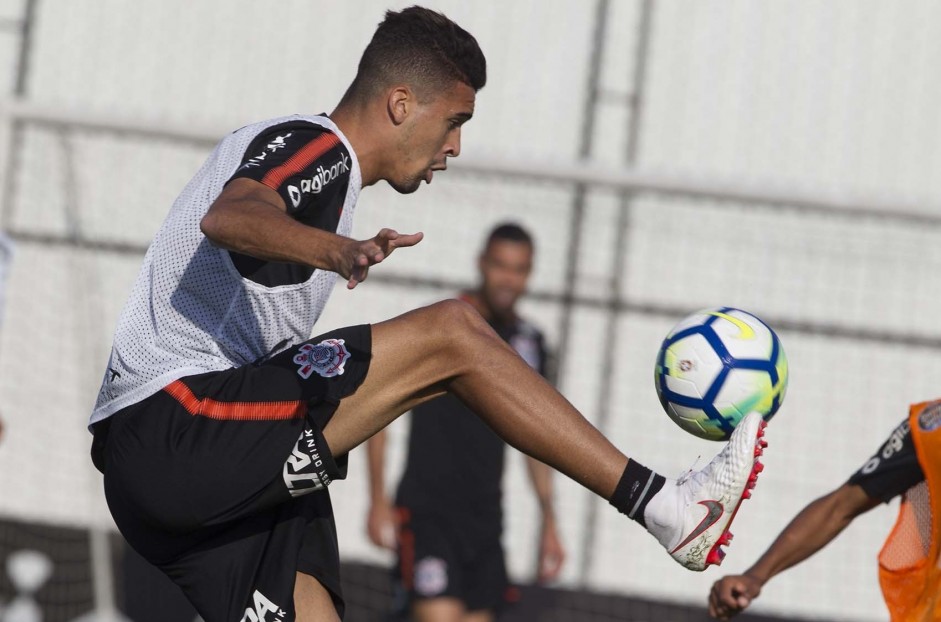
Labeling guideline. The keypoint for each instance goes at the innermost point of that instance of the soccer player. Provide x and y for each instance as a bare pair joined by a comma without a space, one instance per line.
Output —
907,464
448,511
219,422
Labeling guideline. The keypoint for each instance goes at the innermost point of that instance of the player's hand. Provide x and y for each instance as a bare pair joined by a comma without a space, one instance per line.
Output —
360,255
382,525
551,553
730,595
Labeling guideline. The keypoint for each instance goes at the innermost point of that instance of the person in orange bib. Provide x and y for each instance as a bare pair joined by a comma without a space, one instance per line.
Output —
908,465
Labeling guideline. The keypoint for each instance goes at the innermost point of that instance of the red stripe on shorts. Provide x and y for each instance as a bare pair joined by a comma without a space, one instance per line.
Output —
300,160
241,411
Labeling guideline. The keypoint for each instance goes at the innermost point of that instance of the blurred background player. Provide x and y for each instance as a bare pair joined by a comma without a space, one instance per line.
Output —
907,464
449,520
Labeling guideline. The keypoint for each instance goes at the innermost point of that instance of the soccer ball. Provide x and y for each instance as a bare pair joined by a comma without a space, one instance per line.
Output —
716,366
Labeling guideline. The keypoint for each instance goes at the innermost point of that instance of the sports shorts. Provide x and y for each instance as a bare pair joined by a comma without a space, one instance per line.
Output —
220,479
438,558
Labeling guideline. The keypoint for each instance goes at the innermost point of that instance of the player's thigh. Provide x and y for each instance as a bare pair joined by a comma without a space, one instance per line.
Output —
415,354
312,601
444,609
478,616
413,357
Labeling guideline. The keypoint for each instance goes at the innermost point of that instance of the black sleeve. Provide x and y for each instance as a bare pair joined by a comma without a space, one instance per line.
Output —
893,469
547,364
305,163
309,167
529,343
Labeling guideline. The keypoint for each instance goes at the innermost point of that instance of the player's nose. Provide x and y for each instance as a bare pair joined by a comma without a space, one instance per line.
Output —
452,147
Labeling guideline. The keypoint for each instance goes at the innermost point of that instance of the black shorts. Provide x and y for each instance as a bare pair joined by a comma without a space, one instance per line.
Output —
438,557
220,479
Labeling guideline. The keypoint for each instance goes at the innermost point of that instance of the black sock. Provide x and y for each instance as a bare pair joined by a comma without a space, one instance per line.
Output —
637,487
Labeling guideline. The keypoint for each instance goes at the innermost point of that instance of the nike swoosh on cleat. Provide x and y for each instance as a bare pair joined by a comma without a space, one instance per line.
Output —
713,514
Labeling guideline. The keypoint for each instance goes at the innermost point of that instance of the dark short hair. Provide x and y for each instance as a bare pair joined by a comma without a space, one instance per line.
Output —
420,47
511,232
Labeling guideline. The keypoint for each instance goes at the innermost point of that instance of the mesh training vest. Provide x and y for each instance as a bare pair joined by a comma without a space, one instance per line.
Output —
190,311
909,571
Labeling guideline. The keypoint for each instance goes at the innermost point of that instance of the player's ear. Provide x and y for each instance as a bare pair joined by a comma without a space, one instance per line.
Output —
400,102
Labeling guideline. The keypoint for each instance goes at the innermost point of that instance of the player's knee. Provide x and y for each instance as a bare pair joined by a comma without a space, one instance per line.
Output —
454,332
460,321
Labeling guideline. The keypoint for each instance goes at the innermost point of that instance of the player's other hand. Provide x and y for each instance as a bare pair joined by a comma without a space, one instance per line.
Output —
732,594
382,525
551,553
360,255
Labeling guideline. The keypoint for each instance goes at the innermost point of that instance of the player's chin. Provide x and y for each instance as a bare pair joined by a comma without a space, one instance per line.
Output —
407,186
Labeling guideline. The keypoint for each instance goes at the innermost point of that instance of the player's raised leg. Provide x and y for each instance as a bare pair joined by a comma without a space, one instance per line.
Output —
448,347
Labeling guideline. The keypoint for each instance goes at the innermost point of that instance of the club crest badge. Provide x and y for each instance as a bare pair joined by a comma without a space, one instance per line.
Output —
930,418
431,576
326,358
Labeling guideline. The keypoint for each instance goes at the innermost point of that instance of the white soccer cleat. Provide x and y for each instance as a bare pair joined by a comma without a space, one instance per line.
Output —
691,516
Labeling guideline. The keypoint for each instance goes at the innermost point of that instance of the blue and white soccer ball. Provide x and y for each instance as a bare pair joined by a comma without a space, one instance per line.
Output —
716,366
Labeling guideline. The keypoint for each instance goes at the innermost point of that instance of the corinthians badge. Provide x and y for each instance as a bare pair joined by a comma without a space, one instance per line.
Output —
327,358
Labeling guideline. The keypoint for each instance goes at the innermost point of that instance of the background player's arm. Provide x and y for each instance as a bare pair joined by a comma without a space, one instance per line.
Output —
812,529
380,522
551,552
251,218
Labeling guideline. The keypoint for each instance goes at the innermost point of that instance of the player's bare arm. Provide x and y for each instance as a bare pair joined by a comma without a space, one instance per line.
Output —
812,529
250,218
380,522
551,551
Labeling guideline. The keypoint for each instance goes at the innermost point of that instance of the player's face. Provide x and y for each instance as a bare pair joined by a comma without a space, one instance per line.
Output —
504,270
432,135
